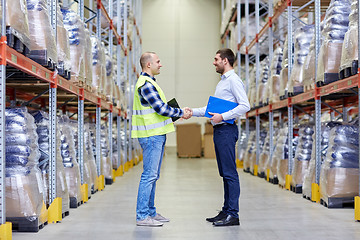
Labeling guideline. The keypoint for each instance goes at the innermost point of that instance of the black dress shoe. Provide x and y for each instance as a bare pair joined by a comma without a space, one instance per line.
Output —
218,217
228,221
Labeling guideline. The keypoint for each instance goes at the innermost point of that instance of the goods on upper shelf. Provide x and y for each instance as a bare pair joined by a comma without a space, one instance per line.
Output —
339,177
68,154
77,41
309,177
284,70
63,47
24,188
302,156
99,65
42,38
263,83
274,82
252,88
303,36
349,54
88,61
336,24
109,78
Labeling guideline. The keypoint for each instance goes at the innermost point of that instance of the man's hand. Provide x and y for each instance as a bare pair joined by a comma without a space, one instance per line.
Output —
187,113
216,117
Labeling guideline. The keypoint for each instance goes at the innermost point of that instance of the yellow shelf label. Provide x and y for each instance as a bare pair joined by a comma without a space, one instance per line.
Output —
33,68
13,58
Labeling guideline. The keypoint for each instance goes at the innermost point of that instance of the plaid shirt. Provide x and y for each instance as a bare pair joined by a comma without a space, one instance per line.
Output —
149,96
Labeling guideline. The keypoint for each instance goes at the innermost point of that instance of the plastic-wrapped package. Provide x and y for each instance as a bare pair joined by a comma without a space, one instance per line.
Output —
274,81
250,151
42,123
303,36
241,146
252,88
42,38
284,71
68,154
309,177
98,63
17,20
267,164
336,24
109,77
340,171
87,171
262,84
63,46
349,56
263,134
89,153
106,168
264,156
302,156
24,188
76,31
278,152
88,60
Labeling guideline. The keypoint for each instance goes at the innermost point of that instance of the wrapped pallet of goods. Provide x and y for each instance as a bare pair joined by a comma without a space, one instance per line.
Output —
77,41
336,24
63,48
43,47
250,151
274,82
241,146
268,163
284,71
349,57
106,164
17,26
88,62
252,88
303,36
109,79
62,191
339,176
262,137
264,156
309,177
24,187
302,157
87,176
263,83
68,154
90,154
99,66
279,153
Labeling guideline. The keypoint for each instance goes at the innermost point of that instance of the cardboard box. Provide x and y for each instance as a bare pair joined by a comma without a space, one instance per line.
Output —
209,129
209,149
188,139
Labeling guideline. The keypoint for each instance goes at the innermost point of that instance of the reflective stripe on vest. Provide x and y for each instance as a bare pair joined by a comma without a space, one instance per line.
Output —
152,126
143,112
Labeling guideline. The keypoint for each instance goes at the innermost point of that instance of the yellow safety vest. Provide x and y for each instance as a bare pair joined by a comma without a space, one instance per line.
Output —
145,121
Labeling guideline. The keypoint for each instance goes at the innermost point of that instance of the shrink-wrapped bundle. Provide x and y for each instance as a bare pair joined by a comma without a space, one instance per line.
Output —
252,88
309,177
87,175
278,153
303,36
109,80
98,64
262,83
106,165
63,46
336,24
24,187
284,71
339,176
349,54
302,156
268,159
250,151
68,154
42,38
241,146
88,60
274,81
17,23
76,31
42,123
262,137
264,156
89,153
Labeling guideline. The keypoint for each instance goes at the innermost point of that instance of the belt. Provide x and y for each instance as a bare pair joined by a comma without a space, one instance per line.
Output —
224,124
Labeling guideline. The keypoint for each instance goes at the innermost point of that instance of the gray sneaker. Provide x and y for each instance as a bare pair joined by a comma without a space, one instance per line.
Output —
160,218
149,222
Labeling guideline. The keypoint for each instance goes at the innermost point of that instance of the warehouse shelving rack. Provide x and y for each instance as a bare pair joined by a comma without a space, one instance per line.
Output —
312,99
37,80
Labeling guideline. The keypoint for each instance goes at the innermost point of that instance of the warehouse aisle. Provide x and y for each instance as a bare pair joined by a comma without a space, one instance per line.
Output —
190,190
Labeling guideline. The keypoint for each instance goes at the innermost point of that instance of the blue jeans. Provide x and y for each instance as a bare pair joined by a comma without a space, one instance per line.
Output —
225,137
153,152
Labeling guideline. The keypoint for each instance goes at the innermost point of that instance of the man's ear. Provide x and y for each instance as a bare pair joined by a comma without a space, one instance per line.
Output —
148,64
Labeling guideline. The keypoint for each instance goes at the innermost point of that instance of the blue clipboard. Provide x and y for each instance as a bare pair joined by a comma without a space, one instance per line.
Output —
218,105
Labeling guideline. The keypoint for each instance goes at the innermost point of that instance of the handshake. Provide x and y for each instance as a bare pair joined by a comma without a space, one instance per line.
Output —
188,112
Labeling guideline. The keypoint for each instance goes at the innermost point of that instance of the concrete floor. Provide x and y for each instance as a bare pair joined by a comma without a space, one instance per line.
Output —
190,190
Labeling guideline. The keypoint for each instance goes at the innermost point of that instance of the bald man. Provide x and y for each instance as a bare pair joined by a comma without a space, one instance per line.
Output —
151,121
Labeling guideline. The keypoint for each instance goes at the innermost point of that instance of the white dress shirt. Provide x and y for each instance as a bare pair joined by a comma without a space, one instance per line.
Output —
230,88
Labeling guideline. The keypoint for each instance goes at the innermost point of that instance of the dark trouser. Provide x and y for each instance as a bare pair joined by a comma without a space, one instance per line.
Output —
225,137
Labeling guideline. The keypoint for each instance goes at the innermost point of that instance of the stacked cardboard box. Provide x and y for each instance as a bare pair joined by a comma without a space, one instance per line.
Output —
188,139
209,149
